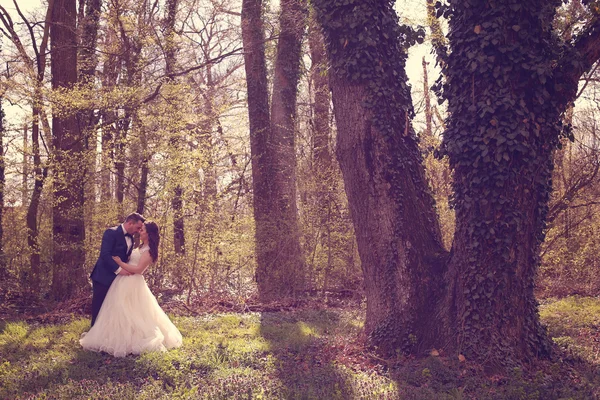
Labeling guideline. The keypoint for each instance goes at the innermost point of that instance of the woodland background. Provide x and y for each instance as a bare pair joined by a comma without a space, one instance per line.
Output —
153,117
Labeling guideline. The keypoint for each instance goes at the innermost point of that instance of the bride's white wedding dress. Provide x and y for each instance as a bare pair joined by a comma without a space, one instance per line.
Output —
130,320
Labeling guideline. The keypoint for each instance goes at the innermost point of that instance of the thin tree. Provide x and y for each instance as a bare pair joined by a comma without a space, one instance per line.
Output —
2,186
176,140
36,71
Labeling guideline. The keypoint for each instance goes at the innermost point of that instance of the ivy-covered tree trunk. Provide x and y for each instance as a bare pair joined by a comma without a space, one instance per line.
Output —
500,140
398,236
280,265
67,212
507,88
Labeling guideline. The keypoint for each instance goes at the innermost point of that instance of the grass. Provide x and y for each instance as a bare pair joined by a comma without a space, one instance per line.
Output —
303,354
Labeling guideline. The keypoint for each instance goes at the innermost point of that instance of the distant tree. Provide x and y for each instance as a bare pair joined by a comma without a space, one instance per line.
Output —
36,72
280,263
2,186
69,162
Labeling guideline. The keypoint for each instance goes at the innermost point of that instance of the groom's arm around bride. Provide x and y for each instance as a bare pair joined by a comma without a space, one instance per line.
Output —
116,241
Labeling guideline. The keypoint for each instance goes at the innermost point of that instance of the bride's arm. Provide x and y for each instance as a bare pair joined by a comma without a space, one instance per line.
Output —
145,260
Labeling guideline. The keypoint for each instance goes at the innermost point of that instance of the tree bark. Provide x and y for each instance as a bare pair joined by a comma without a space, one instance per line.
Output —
26,160
39,175
397,231
326,182
500,141
68,223
87,119
287,252
280,267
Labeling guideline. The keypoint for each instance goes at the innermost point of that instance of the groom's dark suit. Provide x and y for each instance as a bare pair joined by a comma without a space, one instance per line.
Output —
113,244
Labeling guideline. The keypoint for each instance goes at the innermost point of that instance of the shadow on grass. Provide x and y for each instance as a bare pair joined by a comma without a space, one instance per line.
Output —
41,361
96,369
301,364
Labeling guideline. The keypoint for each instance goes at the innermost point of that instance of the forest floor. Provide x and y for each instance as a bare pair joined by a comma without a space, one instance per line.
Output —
297,353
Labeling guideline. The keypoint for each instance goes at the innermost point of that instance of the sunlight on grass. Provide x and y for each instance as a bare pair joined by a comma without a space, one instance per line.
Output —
576,311
304,354
574,325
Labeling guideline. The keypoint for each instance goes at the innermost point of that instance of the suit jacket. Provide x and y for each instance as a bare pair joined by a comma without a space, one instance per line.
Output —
113,244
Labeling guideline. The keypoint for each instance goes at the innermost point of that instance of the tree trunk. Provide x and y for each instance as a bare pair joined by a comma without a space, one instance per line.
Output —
280,270
39,175
87,119
500,141
38,116
144,170
397,231
287,251
277,245
260,135
26,160
68,226
326,182
109,118
207,141
177,140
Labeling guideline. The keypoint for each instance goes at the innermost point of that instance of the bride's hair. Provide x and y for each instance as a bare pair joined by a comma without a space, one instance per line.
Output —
153,239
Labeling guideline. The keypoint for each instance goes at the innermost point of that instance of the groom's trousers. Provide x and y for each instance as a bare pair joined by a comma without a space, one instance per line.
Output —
98,294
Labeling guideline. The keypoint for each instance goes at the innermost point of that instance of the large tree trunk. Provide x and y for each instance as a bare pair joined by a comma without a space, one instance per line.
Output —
280,267
397,231
68,226
500,140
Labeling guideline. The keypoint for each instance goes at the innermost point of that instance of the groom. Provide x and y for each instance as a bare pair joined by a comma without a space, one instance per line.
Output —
116,241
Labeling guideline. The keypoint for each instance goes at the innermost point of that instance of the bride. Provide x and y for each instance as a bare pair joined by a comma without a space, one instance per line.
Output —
130,320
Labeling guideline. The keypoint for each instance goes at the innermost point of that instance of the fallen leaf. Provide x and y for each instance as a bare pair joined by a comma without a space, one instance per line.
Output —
434,353
461,358
477,29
